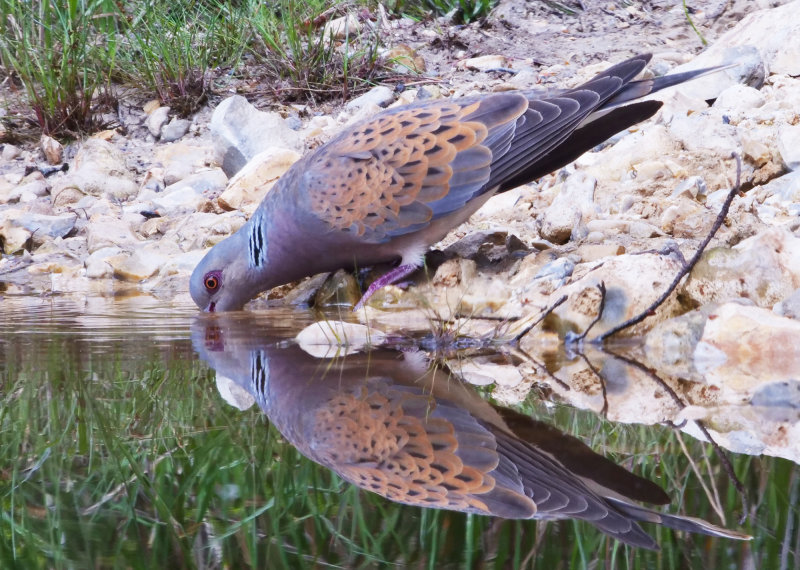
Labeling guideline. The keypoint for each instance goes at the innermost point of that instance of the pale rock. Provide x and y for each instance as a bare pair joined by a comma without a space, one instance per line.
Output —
12,236
201,230
782,190
151,106
754,147
570,208
454,272
789,307
642,229
617,160
483,62
556,272
238,130
651,170
379,96
322,126
633,283
205,180
246,190
181,159
342,27
750,69
183,200
367,110
32,186
325,339
97,266
526,78
138,266
789,146
699,132
670,345
108,231
691,188
52,149
739,99
686,219
481,371
679,104
404,59
99,170
183,263
154,179
764,268
774,33
44,227
175,129
156,120
10,152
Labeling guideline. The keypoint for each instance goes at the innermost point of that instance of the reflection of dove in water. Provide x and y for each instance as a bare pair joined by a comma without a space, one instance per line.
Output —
387,423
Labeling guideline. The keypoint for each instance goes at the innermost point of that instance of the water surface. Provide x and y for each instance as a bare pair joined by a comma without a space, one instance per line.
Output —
121,448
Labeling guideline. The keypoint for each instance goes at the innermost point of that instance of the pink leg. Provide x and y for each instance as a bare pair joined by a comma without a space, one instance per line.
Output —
393,276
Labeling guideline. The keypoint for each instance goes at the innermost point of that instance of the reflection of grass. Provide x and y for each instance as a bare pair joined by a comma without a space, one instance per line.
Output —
133,460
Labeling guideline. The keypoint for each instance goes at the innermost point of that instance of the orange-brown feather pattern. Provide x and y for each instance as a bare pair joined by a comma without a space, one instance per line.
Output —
370,440
401,160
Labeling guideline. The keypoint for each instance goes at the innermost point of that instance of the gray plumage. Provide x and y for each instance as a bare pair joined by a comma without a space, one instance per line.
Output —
390,186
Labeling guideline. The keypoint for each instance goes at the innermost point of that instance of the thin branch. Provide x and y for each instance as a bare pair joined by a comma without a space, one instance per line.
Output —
688,267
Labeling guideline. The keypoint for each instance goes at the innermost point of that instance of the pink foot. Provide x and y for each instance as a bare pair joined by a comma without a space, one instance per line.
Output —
393,276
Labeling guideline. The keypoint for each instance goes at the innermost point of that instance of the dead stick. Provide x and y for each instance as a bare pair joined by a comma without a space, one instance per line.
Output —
687,267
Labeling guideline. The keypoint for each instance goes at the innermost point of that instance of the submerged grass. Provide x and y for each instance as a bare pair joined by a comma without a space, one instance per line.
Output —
129,458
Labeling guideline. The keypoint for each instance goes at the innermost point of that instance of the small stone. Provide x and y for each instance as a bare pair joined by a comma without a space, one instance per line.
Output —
569,209
138,266
42,226
238,130
380,96
10,152
109,232
789,146
246,190
594,251
789,307
339,290
325,339
484,62
52,149
99,170
405,60
740,98
339,28
234,394
175,129
156,120
97,266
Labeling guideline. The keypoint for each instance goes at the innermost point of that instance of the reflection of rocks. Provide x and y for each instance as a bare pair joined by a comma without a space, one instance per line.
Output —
734,366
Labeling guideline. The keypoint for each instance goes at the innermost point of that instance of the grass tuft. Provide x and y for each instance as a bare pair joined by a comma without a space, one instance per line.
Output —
304,60
59,51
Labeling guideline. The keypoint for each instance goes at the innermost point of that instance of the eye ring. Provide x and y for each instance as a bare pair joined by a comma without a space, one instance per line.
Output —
211,281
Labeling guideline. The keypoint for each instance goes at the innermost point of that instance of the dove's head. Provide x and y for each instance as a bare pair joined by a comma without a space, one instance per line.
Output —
223,281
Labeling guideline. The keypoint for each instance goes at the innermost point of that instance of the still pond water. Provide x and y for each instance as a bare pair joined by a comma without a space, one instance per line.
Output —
132,438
